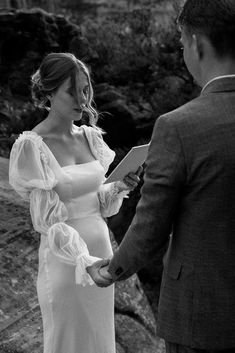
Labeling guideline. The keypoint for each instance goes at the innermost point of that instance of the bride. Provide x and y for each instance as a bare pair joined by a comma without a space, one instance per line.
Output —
60,169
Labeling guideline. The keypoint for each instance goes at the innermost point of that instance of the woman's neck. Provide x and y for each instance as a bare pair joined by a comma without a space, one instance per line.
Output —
59,125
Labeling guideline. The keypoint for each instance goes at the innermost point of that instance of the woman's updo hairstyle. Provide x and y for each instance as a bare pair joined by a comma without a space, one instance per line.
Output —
53,71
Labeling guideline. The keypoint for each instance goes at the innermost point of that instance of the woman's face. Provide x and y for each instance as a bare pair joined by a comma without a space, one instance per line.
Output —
63,102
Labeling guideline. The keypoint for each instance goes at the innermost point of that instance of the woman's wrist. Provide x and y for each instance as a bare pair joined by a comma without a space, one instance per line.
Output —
120,186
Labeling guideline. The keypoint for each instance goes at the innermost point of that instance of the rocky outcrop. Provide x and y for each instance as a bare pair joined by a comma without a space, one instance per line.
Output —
115,116
26,36
20,318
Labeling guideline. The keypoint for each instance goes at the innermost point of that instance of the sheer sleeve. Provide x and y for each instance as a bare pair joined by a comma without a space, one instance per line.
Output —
109,196
31,176
29,168
110,199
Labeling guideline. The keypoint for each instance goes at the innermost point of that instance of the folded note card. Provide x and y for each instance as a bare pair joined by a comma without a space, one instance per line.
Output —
130,163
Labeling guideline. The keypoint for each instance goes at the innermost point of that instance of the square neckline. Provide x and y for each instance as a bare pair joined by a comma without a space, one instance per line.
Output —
69,165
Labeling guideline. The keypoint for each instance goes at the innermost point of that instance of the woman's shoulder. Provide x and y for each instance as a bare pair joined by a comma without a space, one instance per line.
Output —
30,142
40,135
28,137
98,146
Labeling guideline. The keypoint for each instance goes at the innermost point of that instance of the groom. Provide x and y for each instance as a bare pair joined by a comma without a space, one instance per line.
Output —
189,191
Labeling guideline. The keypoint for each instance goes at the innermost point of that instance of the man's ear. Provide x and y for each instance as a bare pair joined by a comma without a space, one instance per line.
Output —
198,46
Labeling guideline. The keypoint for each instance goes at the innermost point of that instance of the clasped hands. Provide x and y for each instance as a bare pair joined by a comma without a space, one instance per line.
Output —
99,273
99,270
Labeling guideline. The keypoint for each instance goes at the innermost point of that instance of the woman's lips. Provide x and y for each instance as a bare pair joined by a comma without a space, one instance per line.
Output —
78,110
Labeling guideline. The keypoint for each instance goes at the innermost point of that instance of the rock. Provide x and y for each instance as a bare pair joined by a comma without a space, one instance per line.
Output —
125,122
105,93
79,46
26,36
116,118
4,163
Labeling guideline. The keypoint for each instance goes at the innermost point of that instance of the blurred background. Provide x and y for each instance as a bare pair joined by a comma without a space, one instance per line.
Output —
132,49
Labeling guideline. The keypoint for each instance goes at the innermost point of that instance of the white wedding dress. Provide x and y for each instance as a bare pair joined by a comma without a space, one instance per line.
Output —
67,206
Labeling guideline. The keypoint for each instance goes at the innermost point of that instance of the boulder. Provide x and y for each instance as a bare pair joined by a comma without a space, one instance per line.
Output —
118,121
116,117
26,36
106,93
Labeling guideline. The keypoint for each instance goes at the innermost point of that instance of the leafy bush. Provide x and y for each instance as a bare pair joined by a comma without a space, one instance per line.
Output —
142,58
14,119
124,45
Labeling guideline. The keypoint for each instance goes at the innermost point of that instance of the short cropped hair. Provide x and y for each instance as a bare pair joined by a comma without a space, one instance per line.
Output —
214,19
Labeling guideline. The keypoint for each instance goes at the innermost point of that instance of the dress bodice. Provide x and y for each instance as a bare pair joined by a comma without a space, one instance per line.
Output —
78,188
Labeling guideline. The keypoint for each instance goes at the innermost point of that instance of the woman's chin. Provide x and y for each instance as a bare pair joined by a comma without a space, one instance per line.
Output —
78,116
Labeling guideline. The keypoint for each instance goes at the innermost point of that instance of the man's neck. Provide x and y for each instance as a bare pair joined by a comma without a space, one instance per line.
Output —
217,69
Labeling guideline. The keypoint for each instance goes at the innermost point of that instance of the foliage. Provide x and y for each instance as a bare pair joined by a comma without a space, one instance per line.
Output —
136,54
14,119
142,57
21,118
124,45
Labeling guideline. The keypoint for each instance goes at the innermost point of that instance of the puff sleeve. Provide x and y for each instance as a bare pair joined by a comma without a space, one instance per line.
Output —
110,199
109,196
32,176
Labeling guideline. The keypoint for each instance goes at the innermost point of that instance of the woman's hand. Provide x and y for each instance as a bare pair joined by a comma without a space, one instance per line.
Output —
130,181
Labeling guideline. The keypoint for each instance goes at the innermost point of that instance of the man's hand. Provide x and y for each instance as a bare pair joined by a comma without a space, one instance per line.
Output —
99,273
130,181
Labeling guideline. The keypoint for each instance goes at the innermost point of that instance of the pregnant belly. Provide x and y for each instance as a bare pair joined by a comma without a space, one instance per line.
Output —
95,233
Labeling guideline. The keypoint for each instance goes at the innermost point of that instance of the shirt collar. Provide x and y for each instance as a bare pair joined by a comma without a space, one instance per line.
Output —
216,78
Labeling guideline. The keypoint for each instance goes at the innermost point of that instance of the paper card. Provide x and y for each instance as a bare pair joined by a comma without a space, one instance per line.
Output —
130,163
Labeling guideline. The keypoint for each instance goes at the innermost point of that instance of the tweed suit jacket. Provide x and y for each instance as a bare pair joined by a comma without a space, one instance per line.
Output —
189,192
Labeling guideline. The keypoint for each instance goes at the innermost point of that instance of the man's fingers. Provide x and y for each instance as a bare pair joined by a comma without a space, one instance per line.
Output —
105,274
139,171
131,180
101,281
105,262
93,271
98,264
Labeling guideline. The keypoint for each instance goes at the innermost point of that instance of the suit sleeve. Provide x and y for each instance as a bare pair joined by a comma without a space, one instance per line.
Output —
153,221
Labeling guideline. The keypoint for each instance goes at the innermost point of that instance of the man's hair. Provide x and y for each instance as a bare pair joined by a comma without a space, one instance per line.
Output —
214,19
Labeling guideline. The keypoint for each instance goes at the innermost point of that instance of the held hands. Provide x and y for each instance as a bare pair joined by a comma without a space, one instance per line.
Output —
99,270
130,181
99,273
